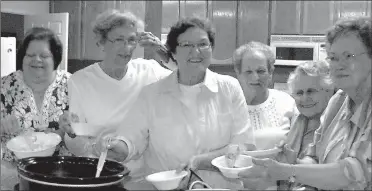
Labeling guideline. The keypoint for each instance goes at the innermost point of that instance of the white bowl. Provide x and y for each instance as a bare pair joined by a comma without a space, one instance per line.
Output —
242,162
45,145
166,180
268,153
86,129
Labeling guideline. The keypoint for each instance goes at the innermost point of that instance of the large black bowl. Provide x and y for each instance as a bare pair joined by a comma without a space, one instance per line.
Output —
76,173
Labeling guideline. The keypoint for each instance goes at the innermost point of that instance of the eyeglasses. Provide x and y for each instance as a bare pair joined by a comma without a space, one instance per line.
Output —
309,92
346,57
201,46
120,41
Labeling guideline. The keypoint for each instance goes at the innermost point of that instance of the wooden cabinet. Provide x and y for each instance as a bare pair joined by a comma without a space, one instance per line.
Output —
223,16
285,17
194,8
92,9
346,9
253,21
74,8
313,17
318,16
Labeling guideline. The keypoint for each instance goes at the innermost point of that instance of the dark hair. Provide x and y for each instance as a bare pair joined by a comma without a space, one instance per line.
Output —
185,23
361,26
41,33
253,46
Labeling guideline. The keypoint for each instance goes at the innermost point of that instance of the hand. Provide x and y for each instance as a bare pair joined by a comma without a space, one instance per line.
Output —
263,168
10,125
65,123
193,164
117,149
288,154
147,39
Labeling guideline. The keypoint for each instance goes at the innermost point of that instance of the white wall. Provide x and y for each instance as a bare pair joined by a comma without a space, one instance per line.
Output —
25,7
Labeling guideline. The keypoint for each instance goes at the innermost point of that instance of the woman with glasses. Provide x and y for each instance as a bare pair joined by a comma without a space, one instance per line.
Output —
33,97
101,94
340,156
270,111
311,87
189,117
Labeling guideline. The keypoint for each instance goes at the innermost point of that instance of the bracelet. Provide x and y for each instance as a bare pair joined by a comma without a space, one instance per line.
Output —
292,179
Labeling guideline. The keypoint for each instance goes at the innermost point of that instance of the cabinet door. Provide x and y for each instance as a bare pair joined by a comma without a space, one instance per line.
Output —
138,8
253,13
193,8
352,8
74,36
91,9
223,16
170,15
317,16
285,17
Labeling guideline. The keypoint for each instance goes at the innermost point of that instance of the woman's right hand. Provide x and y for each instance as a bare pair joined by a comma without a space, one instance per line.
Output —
10,125
289,154
65,124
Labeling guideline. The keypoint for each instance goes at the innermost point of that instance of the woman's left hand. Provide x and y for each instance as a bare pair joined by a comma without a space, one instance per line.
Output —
147,39
193,165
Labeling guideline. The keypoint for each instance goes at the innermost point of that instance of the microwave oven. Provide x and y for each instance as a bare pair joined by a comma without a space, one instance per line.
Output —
291,50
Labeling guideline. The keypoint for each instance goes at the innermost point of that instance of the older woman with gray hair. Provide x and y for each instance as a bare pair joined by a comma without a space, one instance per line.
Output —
101,94
340,156
270,110
311,87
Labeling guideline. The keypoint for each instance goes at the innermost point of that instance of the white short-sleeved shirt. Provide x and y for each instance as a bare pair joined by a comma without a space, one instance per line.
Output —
103,101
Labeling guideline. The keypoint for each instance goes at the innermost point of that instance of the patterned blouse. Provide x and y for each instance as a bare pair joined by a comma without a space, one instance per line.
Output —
345,137
17,99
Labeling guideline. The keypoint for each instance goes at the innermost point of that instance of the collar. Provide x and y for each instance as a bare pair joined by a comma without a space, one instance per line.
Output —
354,117
170,83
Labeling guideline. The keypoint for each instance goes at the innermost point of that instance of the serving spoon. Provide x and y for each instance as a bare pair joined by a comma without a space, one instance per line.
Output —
102,158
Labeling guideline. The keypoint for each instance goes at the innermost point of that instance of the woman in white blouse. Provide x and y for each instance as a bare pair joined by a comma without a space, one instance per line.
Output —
268,108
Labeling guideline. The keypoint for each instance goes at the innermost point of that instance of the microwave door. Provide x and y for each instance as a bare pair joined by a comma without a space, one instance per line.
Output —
295,54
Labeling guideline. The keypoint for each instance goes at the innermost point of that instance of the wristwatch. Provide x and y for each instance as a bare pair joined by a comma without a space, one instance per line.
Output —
292,179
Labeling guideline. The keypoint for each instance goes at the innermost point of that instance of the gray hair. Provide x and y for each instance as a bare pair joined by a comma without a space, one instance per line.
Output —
253,46
318,69
112,19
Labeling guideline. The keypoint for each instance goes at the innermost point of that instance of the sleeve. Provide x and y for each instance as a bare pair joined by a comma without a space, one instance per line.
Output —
75,99
358,166
242,131
3,101
135,133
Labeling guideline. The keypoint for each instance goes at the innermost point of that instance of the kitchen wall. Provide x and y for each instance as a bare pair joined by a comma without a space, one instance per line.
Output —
25,7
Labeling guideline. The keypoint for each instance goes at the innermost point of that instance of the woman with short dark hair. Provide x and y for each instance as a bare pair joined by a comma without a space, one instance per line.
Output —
34,97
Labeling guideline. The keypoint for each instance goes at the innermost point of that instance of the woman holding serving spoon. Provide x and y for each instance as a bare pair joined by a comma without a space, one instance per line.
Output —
101,94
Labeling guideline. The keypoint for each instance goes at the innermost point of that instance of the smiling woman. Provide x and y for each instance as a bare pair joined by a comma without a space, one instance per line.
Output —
268,108
34,97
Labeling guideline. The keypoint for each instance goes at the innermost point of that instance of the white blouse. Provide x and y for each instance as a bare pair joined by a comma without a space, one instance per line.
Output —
276,112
